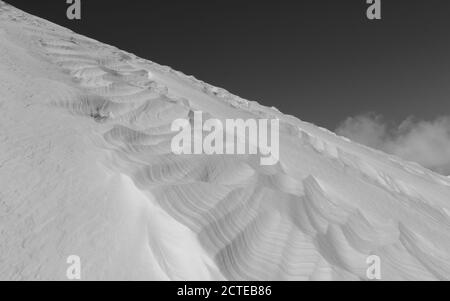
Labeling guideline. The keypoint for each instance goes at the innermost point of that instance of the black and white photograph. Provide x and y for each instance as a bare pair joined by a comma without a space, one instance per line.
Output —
224,141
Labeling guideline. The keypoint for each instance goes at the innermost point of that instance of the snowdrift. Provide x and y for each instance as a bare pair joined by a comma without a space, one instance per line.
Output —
86,169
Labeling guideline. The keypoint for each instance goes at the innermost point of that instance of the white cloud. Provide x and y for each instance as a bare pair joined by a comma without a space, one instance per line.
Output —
424,142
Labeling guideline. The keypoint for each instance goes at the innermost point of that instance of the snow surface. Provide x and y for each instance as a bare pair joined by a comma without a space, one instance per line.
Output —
86,169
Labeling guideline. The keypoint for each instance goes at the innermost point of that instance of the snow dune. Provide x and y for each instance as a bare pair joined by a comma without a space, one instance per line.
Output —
86,168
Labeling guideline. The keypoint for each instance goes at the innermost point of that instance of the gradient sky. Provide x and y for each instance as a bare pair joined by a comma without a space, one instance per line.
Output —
321,61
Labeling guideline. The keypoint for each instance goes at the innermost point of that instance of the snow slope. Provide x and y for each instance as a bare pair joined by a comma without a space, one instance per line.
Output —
86,169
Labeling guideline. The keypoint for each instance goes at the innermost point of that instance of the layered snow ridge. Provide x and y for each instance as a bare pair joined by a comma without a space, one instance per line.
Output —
86,169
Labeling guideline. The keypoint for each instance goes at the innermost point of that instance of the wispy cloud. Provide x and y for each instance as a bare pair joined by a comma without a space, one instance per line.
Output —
424,142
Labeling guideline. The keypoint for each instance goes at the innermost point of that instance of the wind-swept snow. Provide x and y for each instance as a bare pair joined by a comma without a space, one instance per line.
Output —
86,169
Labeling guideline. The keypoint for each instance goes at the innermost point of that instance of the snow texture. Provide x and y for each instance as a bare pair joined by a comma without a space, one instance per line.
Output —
86,169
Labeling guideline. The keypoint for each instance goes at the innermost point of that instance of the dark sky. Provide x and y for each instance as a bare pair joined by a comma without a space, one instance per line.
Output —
320,60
